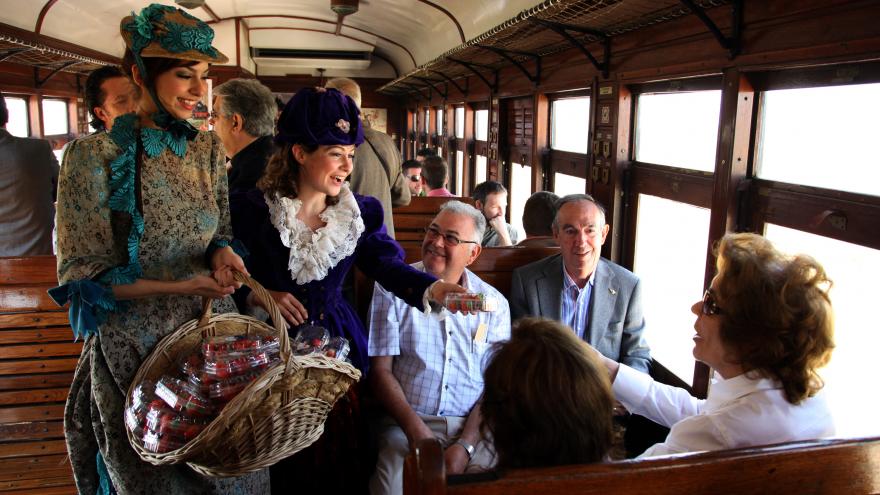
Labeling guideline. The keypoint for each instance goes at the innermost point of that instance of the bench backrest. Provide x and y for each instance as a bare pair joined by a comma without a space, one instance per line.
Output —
410,220
850,466
37,360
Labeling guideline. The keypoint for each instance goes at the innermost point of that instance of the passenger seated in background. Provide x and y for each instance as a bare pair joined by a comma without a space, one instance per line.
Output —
435,175
538,214
412,170
490,197
546,398
765,326
427,372
600,300
425,153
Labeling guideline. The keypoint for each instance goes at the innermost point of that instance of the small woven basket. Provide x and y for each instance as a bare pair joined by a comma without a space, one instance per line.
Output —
278,414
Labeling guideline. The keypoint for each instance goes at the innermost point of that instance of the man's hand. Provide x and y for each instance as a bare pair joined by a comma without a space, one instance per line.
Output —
500,226
456,459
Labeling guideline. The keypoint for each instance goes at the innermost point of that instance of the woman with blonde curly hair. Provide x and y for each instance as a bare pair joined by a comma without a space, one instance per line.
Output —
546,398
765,326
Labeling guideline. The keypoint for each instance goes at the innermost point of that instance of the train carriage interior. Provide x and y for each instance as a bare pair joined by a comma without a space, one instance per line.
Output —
686,119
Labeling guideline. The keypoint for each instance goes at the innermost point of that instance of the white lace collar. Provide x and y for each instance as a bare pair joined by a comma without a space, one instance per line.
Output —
314,253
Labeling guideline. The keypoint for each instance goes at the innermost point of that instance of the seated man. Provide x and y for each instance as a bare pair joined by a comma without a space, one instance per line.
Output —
538,214
490,198
412,170
600,300
427,371
108,94
425,153
244,118
435,175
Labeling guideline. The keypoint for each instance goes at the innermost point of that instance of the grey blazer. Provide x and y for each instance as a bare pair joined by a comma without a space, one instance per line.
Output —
28,177
616,320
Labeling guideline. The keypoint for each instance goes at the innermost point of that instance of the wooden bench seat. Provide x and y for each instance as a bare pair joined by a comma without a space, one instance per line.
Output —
850,466
37,360
411,220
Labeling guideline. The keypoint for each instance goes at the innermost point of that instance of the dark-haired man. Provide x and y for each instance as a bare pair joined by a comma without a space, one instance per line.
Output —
412,171
108,94
490,197
435,175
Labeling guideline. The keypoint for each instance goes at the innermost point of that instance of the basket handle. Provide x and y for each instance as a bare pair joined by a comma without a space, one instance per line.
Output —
263,295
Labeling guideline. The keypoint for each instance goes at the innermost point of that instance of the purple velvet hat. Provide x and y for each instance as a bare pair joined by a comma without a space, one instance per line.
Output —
320,116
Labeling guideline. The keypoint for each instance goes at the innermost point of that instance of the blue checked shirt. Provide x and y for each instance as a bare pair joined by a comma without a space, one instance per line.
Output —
576,303
436,361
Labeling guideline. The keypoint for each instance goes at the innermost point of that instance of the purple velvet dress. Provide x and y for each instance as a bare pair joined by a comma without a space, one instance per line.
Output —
376,254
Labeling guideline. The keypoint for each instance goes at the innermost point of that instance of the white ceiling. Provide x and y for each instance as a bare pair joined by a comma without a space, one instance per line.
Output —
400,34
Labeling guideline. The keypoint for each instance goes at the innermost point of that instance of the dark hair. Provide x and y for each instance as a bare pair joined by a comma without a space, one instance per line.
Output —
281,177
426,152
547,398
776,314
94,94
539,212
484,189
155,66
410,164
434,171
4,112
574,198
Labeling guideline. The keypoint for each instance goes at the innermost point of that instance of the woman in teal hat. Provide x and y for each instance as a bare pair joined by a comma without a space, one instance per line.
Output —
143,222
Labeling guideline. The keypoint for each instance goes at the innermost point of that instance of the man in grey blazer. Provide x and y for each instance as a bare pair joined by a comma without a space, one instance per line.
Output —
28,177
598,299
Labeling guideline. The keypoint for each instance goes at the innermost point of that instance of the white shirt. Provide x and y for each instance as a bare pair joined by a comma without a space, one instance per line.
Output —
739,412
437,362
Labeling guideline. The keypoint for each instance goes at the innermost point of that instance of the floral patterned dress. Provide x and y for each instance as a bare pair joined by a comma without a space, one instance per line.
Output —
178,211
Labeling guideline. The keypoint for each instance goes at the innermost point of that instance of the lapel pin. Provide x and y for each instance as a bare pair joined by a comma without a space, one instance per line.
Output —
612,291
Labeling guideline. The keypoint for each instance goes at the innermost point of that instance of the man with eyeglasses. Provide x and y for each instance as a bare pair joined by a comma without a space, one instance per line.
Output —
600,300
412,170
426,371
243,116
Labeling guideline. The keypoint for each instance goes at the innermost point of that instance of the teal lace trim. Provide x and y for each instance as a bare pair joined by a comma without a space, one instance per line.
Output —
89,304
176,38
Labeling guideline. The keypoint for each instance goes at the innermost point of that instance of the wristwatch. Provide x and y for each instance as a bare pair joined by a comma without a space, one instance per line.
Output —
467,448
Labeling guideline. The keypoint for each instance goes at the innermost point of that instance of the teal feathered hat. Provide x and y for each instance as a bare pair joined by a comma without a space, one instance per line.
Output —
163,31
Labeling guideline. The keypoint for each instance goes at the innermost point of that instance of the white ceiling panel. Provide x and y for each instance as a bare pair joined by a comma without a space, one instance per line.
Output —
304,40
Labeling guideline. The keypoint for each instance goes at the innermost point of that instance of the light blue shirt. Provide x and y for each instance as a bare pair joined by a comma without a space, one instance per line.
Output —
438,362
576,303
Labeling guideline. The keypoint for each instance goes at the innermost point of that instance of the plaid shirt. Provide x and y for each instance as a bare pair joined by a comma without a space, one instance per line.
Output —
576,303
436,360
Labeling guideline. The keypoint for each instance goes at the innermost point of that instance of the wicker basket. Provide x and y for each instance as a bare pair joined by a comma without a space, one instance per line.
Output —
278,414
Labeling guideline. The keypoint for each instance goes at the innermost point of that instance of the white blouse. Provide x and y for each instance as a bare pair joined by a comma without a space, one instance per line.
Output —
314,252
739,412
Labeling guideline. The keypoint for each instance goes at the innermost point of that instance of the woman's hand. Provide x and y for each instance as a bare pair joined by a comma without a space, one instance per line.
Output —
440,289
224,258
205,286
291,309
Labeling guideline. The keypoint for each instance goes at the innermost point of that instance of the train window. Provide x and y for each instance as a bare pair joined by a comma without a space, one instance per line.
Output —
808,132
678,129
54,117
459,173
671,276
853,269
427,121
569,124
18,116
459,122
520,190
440,122
564,184
481,125
480,172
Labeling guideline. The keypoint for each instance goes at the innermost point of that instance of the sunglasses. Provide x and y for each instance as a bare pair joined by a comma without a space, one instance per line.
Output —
415,178
710,307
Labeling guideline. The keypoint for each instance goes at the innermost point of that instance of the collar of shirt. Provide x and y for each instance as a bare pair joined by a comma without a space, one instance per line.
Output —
568,283
723,391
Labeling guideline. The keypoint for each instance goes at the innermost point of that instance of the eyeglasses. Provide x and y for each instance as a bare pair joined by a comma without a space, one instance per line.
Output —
432,233
415,178
710,307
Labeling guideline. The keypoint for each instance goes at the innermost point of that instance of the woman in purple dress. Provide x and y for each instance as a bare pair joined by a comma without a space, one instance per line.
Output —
305,230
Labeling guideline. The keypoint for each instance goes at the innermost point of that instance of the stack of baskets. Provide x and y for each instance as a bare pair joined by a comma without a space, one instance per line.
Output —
278,414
